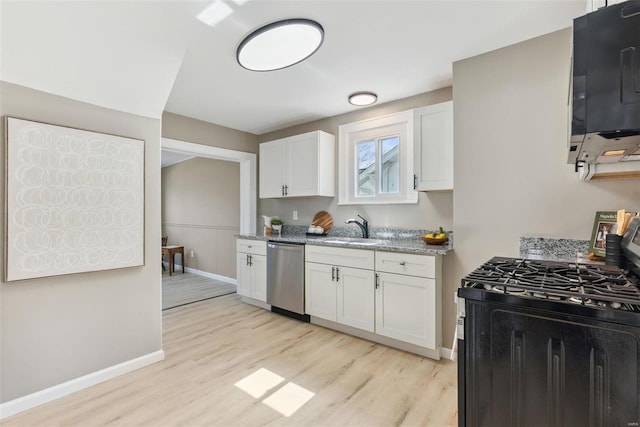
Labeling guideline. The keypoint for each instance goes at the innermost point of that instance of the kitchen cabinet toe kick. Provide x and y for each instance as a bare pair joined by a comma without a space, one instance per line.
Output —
370,336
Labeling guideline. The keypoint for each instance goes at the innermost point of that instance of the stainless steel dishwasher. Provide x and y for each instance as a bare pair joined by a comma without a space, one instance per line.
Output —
285,279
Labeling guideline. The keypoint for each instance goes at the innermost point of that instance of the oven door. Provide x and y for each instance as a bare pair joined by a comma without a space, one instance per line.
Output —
520,366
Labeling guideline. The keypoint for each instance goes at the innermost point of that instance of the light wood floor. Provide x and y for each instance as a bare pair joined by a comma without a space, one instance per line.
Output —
180,289
213,344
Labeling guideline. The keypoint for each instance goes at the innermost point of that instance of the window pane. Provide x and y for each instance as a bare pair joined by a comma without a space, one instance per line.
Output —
366,162
389,165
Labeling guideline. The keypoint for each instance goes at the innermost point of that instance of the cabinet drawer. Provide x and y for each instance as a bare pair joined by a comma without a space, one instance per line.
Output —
409,264
256,247
356,258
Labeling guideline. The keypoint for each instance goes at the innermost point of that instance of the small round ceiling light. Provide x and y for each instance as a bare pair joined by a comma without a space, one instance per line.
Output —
362,99
280,44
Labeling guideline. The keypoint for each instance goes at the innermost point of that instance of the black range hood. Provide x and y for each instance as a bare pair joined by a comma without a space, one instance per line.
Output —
605,124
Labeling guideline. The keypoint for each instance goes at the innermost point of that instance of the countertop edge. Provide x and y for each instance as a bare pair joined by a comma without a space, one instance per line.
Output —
399,246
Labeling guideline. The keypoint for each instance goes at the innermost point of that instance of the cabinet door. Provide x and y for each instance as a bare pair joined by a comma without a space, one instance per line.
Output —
302,165
406,309
320,291
273,164
356,298
243,274
259,277
433,147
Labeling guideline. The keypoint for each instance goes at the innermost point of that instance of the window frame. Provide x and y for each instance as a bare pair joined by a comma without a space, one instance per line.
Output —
350,134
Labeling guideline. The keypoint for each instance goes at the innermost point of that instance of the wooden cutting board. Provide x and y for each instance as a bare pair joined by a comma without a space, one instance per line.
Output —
323,219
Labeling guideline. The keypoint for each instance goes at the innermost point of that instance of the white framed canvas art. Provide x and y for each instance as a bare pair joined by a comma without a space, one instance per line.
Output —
74,200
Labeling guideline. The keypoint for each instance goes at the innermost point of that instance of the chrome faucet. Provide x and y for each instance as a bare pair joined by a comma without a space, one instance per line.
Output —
364,225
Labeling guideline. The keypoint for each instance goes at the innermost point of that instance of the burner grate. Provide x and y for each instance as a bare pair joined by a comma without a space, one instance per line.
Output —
591,285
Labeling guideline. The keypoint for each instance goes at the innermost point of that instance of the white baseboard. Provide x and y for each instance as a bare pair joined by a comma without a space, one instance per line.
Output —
445,353
204,274
49,394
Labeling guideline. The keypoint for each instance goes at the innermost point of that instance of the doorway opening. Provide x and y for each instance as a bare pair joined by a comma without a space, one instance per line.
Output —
206,200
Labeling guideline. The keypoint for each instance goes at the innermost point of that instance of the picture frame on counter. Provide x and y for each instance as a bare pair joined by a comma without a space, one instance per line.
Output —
603,224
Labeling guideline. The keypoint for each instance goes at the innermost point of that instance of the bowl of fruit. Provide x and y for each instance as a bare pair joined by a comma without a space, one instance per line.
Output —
435,238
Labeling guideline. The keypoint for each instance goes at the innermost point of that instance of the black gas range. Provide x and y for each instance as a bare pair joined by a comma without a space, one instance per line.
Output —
598,291
545,343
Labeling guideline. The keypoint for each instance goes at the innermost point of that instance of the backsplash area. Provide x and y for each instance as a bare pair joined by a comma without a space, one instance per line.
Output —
553,249
374,232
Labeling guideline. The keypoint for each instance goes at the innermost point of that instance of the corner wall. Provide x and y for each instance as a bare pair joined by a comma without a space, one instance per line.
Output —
54,330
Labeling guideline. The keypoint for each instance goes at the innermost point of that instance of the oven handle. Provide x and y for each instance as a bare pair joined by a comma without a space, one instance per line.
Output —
460,303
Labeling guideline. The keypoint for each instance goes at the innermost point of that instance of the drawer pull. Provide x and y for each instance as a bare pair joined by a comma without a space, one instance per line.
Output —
403,263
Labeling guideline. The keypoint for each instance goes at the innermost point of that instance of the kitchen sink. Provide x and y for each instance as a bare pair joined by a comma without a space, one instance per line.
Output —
354,241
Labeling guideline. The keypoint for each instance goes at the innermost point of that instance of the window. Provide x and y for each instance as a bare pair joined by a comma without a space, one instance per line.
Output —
375,162
378,166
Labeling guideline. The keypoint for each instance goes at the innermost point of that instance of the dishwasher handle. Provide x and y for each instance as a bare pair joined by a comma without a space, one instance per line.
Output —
287,245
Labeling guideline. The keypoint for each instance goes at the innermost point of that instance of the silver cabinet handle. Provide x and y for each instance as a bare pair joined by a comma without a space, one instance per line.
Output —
250,260
247,259
377,281
403,263
337,274
333,274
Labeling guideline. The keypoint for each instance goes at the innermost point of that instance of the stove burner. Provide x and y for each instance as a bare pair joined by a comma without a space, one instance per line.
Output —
588,285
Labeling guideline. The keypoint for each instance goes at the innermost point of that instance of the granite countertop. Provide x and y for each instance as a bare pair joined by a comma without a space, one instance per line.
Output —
409,245
555,249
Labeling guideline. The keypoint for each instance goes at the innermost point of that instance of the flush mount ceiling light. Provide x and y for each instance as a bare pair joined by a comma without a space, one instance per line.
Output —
362,98
280,44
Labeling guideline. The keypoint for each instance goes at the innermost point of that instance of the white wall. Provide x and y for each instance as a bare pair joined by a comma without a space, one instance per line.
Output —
55,330
432,210
201,211
511,175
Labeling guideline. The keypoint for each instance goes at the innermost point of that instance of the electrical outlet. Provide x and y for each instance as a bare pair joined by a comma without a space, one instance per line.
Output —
193,253
295,215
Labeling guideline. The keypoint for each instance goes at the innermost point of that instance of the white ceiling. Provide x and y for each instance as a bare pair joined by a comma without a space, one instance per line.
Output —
146,57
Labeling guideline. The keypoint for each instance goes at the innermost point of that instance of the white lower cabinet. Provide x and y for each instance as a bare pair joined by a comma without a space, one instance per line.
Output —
389,294
356,298
337,291
406,309
408,293
320,291
251,269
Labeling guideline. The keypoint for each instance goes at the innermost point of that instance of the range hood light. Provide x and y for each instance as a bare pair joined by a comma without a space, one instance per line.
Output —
631,158
613,153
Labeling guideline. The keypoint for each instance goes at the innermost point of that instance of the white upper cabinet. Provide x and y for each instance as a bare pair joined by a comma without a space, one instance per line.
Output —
273,164
298,166
433,147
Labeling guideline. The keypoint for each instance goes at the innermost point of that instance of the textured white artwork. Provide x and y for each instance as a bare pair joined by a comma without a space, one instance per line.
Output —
75,201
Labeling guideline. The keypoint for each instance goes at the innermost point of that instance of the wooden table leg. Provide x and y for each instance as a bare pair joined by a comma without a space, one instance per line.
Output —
172,256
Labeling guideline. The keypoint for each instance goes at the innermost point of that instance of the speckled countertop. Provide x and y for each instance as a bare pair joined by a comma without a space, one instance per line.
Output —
388,240
555,249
